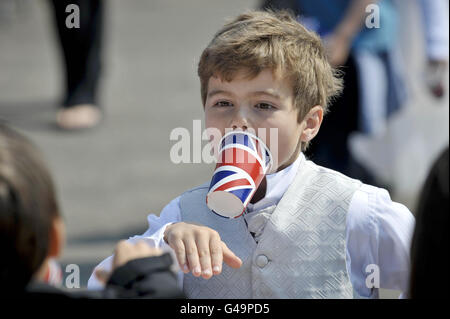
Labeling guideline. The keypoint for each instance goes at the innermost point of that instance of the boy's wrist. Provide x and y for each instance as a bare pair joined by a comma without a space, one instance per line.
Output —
167,227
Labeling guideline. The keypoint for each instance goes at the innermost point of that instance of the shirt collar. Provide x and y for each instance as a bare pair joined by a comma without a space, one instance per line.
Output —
277,184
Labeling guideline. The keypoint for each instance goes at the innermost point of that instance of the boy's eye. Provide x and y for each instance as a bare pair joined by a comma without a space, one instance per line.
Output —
264,106
223,103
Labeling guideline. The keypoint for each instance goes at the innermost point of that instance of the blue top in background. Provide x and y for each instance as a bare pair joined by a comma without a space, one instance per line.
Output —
323,16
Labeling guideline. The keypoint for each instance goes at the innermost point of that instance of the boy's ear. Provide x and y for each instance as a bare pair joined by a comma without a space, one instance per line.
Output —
57,238
311,123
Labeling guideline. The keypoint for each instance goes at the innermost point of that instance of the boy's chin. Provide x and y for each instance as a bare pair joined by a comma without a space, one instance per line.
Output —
274,169
279,166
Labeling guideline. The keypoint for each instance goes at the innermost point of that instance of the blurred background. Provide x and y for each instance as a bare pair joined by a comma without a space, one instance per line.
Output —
110,177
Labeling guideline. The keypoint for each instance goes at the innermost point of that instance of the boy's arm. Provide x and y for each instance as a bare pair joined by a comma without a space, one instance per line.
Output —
379,234
153,236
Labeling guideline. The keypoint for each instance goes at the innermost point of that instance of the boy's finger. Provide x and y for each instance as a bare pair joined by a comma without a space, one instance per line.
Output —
202,242
230,258
192,256
180,252
215,248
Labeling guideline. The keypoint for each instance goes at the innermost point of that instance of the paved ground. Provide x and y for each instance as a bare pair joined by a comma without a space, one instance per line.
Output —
109,179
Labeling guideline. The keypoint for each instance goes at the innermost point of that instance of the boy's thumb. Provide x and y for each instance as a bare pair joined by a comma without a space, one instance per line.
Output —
230,258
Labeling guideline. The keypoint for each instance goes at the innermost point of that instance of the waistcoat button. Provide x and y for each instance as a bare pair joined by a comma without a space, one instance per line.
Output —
262,261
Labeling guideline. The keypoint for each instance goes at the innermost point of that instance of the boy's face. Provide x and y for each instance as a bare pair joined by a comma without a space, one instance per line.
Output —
262,102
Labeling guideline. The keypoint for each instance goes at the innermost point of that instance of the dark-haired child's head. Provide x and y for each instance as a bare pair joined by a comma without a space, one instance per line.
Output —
31,230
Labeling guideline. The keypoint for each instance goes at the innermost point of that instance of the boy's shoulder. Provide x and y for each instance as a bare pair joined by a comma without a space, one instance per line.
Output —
202,187
325,171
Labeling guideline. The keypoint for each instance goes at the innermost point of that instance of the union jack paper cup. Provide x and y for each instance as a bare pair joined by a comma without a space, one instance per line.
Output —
243,161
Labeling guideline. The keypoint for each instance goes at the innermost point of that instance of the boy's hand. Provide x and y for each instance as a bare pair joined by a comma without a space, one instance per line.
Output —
199,249
124,252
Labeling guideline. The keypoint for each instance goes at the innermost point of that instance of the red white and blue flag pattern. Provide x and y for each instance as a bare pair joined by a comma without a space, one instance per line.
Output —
243,161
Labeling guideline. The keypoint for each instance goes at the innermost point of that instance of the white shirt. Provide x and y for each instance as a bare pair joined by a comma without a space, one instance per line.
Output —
435,16
378,232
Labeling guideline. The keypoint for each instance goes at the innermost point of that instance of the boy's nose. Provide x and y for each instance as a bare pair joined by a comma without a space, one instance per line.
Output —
240,121
243,127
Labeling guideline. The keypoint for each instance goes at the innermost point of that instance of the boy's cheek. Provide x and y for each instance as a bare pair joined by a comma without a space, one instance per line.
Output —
213,124
213,136
282,148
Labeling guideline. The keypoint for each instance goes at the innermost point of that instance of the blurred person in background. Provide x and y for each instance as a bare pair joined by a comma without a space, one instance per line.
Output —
372,75
32,236
429,257
435,26
81,47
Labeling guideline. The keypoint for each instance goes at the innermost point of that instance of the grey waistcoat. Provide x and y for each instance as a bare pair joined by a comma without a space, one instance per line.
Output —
301,252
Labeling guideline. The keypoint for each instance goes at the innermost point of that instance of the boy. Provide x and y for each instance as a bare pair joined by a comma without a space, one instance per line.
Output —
309,232
32,235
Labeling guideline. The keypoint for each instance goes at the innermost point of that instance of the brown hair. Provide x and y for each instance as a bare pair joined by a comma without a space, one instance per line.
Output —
28,206
258,40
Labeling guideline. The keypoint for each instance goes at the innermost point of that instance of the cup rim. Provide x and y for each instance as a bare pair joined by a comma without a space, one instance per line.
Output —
255,137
